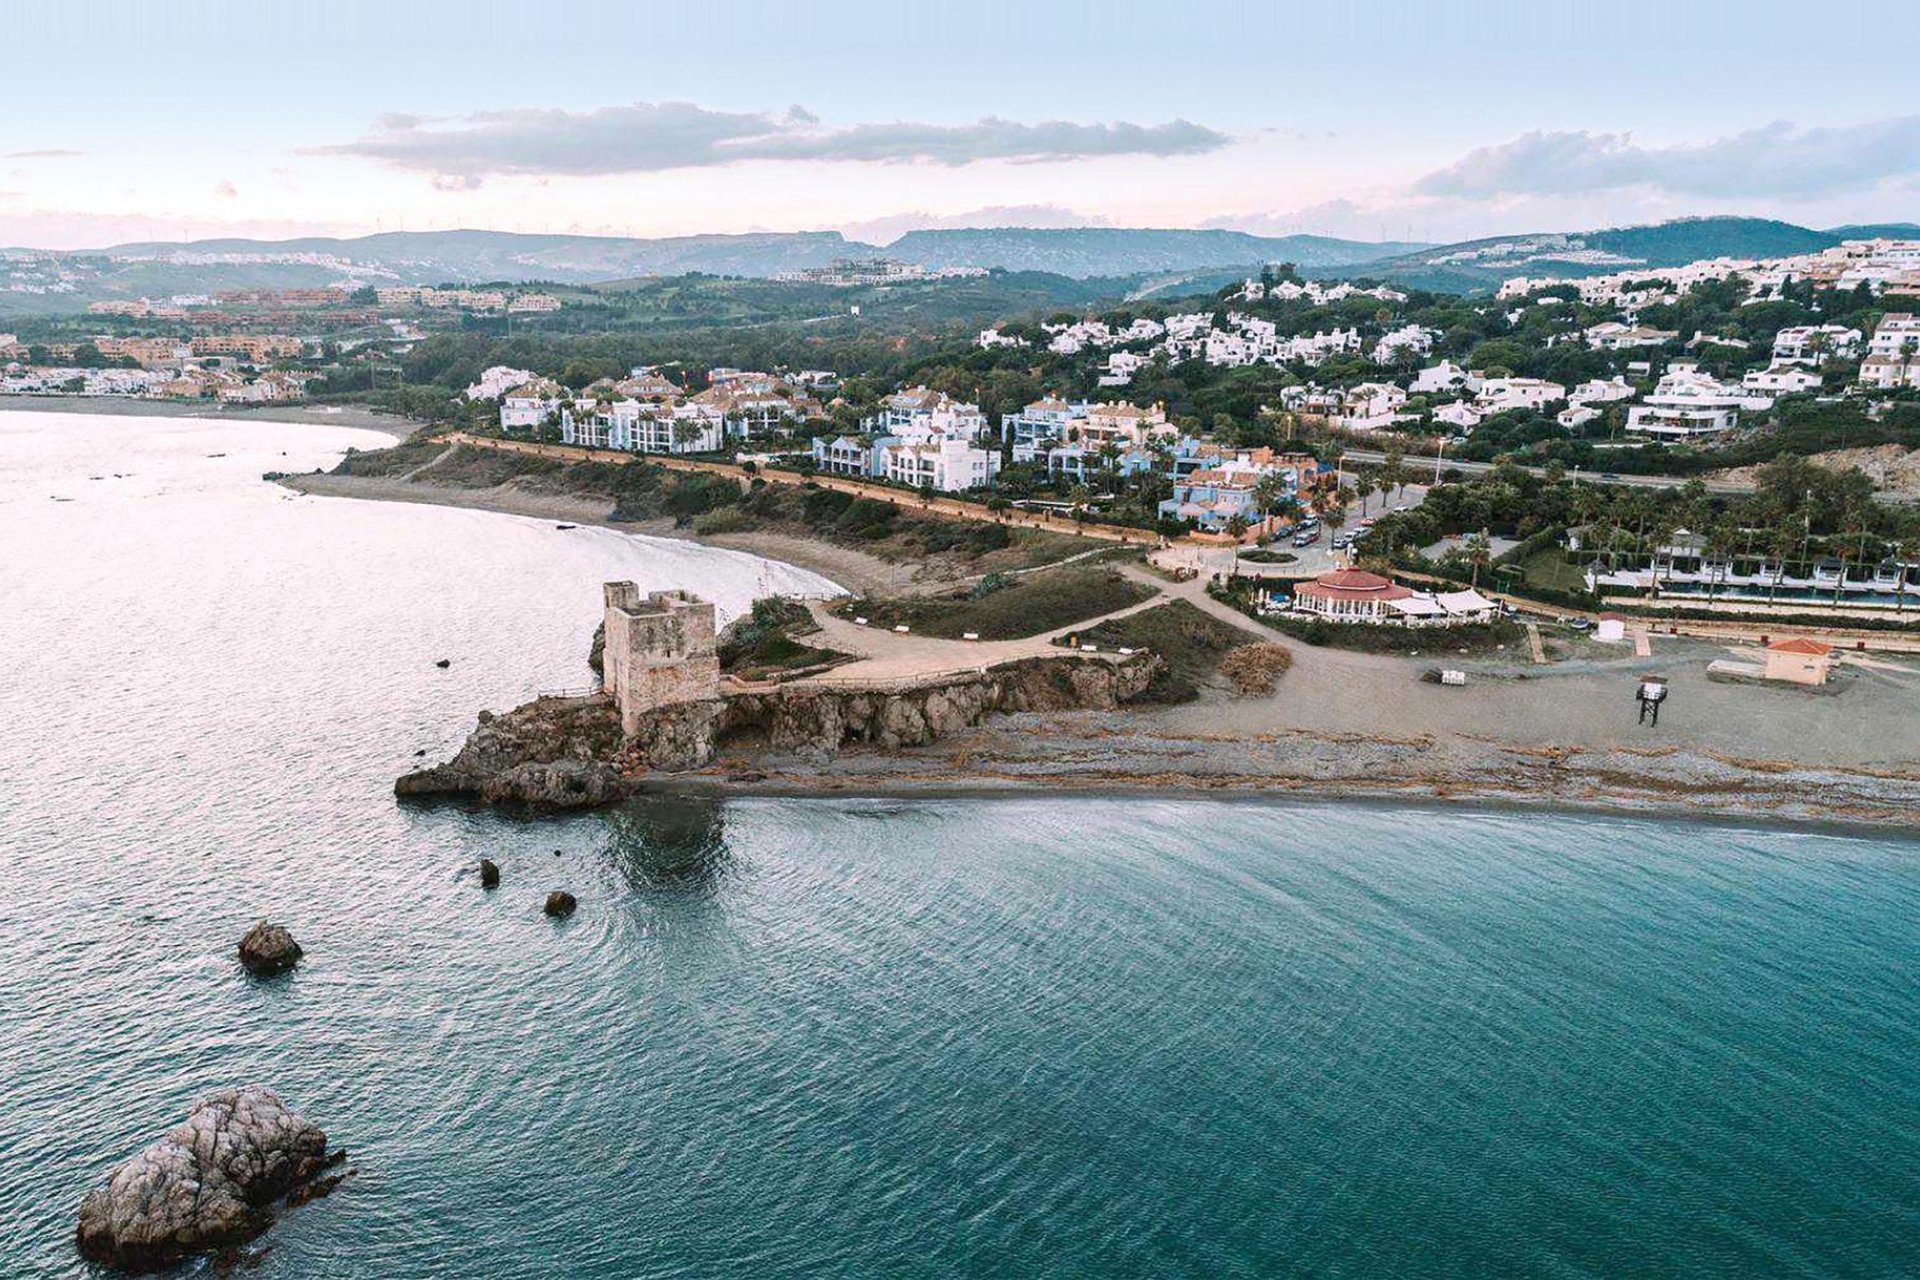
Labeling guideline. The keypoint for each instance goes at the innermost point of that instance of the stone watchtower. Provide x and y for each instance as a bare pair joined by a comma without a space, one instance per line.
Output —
659,650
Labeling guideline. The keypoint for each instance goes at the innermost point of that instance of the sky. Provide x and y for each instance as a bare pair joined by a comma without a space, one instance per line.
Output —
1410,121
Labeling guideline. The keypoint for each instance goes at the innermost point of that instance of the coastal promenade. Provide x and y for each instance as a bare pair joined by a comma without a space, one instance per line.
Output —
943,506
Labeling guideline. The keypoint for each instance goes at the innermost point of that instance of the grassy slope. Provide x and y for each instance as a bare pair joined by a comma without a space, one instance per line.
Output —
1190,642
1030,605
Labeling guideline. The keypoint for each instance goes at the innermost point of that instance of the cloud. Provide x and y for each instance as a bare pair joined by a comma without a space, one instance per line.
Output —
1776,160
48,153
648,137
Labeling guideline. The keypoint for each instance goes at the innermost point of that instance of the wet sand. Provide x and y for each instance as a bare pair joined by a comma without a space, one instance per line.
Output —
855,570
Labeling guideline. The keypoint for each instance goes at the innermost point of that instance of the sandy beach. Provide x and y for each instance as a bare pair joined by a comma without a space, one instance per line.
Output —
134,406
1352,725
855,570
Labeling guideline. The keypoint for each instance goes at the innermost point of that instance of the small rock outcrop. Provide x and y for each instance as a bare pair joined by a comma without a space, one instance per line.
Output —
568,734
489,874
209,1184
269,949
560,904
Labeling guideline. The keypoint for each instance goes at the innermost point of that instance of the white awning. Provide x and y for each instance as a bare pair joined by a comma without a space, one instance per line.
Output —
1463,602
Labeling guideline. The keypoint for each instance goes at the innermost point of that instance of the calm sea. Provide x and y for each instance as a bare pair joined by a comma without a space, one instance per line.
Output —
1000,1037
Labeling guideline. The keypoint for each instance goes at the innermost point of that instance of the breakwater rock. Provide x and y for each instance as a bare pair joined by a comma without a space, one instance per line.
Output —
209,1184
571,753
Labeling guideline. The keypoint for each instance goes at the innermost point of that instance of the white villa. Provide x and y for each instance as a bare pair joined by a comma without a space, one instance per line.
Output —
1688,403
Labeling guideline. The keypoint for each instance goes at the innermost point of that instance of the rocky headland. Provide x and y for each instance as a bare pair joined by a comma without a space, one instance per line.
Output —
563,753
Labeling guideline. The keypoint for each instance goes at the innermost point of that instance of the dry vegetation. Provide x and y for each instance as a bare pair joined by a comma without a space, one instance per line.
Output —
1255,668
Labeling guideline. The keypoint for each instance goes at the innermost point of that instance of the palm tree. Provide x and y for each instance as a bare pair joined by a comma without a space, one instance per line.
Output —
1479,548
1363,484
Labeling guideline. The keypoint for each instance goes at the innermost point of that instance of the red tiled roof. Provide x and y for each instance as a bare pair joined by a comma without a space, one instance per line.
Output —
1802,645
1353,584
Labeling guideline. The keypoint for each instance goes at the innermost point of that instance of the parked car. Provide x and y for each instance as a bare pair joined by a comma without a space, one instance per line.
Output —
1579,624
1306,539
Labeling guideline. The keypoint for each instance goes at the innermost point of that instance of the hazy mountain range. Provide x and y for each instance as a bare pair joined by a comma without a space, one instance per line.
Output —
1161,261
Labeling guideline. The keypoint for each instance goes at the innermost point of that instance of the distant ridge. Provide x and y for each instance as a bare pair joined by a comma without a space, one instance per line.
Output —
1476,266
1125,251
1157,261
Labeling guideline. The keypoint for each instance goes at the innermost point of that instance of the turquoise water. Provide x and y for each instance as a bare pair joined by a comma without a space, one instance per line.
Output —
987,1037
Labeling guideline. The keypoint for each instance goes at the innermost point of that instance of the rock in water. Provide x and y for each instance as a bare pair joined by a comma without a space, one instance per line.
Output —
489,874
560,904
209,1184
444,663
269,949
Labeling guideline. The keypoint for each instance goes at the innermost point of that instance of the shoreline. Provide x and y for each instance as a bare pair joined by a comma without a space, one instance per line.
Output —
851,570
135,406
1413,798
1053,755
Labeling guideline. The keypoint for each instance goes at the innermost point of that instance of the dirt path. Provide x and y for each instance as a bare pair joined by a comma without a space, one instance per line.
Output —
887,656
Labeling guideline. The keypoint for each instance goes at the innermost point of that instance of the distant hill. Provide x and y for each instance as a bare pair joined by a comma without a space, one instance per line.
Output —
427,257
161,269
1148,261
1878,231
1476,266
1121,251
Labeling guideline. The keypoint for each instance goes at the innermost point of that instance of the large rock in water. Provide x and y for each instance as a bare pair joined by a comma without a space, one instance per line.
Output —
269,949
207,1185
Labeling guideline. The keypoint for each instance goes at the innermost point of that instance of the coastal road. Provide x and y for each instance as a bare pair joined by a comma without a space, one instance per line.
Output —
1423,465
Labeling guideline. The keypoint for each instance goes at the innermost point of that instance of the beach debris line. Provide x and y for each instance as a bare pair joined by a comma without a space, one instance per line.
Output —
268,949
208,1185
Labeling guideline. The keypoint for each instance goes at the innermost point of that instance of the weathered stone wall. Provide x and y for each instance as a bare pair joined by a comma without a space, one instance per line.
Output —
658,651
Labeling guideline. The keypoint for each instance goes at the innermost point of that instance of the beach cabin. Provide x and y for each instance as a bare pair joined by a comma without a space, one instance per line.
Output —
1799,661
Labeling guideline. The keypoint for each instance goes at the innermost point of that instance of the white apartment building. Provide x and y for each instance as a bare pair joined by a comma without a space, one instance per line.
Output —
1781,380
1891,340
1688,403
497,381
529,405
1498,395
920,413
1601,391
1408,340
1611,335
1370,406
949,465
1445,376
1812,343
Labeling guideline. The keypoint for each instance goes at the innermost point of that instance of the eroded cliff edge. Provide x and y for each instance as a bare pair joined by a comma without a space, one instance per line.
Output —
572,752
